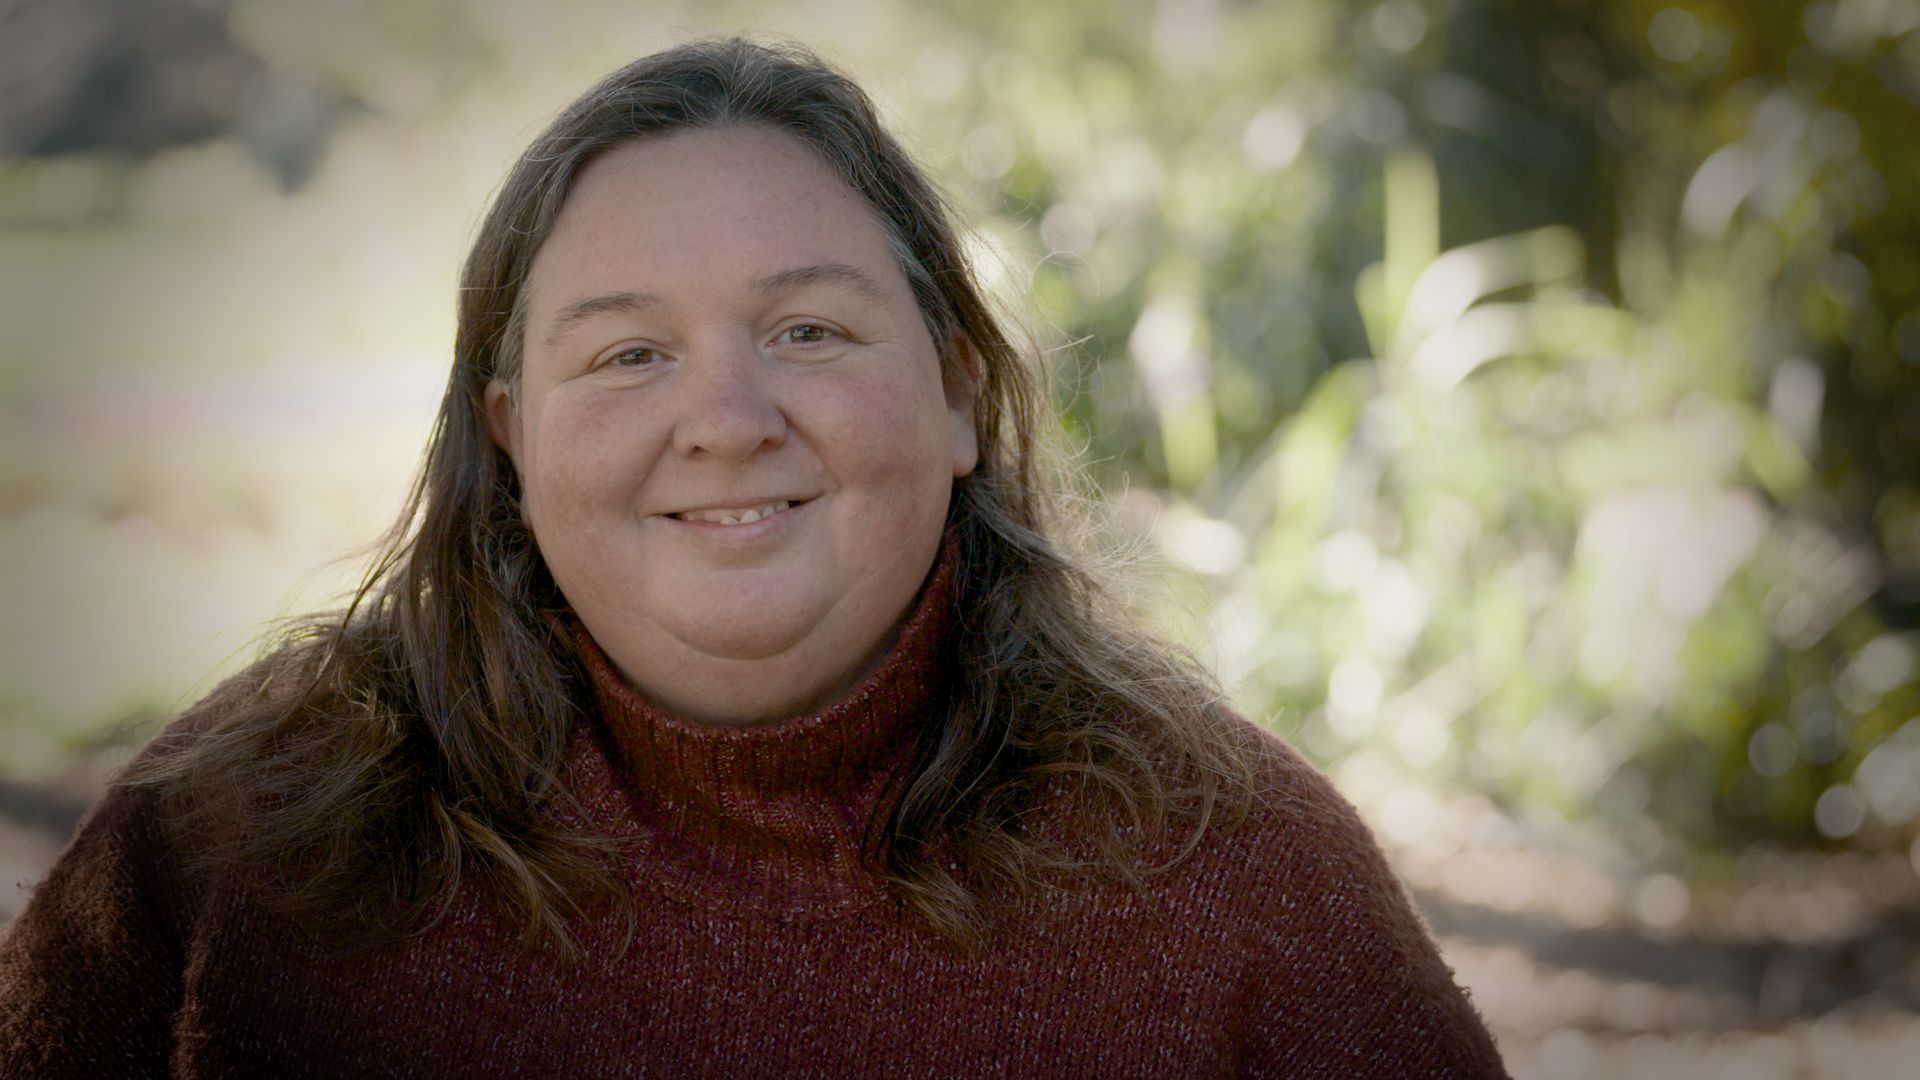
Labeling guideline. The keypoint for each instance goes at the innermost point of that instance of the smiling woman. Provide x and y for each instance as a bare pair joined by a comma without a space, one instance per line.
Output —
749,343
728,701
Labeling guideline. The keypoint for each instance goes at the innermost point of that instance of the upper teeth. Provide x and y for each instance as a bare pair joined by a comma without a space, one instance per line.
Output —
735,517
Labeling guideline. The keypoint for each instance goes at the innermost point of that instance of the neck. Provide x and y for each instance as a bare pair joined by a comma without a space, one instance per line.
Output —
782,808
759,691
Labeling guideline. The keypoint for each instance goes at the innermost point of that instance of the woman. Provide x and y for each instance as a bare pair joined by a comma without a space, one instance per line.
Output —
724,703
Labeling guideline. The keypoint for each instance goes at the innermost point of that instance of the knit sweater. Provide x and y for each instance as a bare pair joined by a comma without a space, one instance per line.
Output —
765,943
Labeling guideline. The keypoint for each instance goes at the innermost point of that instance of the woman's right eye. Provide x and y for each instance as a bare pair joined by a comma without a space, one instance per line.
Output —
637,356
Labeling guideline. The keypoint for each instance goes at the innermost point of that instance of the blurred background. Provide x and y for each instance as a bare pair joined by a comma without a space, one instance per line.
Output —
1524,398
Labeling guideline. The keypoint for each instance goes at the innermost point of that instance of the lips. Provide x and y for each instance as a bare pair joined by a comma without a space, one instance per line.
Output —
744,514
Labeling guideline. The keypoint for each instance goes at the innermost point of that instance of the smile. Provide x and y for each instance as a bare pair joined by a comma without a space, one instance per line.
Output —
728,516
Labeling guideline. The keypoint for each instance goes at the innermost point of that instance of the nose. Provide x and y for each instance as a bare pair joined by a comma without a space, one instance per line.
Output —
726,409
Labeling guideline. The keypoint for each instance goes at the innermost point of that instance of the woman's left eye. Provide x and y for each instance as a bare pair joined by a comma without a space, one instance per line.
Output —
805,334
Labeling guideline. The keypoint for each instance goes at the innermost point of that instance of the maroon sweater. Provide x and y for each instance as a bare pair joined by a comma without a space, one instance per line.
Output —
765,945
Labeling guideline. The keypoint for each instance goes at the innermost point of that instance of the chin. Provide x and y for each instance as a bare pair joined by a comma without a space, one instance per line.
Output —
747,628
756,644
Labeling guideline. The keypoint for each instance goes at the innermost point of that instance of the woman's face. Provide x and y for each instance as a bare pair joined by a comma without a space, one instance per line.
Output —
733,438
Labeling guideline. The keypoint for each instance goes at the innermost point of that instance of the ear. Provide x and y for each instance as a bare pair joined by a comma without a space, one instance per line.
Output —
503,420
960,377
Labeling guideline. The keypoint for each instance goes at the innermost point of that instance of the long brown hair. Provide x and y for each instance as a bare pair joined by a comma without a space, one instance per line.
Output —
378,756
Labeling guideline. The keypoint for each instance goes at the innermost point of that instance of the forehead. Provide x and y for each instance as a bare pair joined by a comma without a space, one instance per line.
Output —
704,209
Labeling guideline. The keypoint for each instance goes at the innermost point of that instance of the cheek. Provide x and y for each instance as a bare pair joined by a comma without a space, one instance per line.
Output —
888,434
583,458
887,453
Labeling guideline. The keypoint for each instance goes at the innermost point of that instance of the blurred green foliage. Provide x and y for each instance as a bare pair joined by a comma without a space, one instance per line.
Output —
1537,384
1533,388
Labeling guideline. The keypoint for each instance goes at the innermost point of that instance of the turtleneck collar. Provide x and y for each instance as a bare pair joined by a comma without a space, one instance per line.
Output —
777,811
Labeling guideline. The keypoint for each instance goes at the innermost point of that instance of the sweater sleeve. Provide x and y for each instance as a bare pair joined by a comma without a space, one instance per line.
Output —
91,970
1346,979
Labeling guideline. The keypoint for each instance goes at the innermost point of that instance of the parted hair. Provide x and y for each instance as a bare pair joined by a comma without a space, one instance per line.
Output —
378,756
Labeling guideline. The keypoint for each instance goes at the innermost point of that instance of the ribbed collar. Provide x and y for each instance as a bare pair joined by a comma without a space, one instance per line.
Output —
771,818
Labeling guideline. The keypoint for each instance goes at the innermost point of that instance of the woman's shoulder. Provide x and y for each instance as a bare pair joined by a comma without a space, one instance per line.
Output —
1329,929
229,698
102,941
117,886
127,825
274,708
132,829
1293,801
1301,845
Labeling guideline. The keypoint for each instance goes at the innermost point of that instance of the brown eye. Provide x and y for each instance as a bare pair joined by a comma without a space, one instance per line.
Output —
640,356
806,334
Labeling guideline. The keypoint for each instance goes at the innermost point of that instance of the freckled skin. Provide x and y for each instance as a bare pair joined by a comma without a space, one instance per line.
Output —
717,392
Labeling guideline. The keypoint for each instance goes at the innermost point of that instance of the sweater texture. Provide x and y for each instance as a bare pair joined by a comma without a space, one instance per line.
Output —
766,942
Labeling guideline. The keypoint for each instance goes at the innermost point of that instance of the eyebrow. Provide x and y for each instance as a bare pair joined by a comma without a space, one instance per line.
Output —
581,310
841,274
851,277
